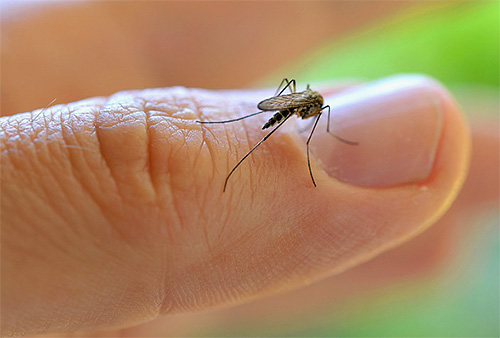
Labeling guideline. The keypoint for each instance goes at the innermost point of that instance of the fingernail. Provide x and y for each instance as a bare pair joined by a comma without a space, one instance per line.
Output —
397,123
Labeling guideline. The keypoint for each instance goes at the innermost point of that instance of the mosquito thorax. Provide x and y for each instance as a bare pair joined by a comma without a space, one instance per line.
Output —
305,104
317,97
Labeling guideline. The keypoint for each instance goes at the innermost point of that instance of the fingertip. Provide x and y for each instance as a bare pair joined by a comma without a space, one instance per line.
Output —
397,122
386,192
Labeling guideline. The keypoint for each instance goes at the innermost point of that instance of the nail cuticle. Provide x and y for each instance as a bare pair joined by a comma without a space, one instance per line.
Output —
397,123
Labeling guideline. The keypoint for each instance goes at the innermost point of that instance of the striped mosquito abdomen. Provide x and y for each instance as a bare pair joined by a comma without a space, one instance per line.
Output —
278,117
305,104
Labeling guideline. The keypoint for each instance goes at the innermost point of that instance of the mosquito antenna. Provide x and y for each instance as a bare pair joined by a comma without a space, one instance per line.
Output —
352,143
258,144
232,120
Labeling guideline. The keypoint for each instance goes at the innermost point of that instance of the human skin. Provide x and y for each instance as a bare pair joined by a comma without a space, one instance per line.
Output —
130,221
76,50
421,258
116,264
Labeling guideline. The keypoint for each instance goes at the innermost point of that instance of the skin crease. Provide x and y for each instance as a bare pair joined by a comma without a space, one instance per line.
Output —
107,245
127,167
429,253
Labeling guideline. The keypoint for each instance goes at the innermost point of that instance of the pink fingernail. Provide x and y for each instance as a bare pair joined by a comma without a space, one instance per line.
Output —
397,122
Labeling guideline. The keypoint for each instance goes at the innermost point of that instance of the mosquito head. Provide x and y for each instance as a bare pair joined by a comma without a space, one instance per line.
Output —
320,99
316,97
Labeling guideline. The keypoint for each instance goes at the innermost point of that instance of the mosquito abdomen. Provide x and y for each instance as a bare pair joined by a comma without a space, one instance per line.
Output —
276,118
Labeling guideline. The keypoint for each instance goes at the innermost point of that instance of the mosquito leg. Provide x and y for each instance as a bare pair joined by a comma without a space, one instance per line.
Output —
352,143
291,83
232,120
307,145
327,122
285,80
44,109
255,147
309,125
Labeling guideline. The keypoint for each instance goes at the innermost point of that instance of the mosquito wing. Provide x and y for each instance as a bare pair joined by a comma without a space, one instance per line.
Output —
287,101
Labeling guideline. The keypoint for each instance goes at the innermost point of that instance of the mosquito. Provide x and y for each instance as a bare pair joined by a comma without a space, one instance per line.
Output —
44,109
305,104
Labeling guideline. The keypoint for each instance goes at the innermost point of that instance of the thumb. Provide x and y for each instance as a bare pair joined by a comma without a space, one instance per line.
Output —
274,230
114,211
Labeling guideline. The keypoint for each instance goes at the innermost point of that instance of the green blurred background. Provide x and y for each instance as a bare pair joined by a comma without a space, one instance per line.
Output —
458,44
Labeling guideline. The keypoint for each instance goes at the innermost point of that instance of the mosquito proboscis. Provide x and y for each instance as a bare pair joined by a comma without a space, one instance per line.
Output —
305,104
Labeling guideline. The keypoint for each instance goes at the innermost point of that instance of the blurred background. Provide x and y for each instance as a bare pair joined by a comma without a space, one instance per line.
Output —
443,283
